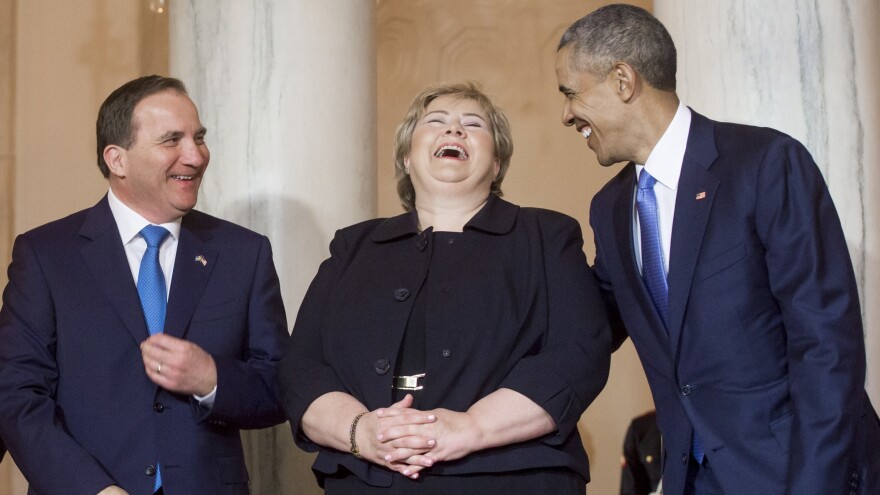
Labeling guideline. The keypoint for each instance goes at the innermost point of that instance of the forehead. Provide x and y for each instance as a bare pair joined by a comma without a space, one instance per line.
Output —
454,103
166,109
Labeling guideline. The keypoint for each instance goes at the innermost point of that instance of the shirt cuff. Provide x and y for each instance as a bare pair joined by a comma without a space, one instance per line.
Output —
207,401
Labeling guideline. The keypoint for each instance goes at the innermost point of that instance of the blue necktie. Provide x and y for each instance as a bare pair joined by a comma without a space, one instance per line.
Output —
653,272
151,289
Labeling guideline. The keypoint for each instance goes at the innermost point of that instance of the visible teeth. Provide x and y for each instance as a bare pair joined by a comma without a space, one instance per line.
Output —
456,150
586,132
182,177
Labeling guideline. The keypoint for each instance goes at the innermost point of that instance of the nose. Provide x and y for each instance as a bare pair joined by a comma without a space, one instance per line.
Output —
567,116
195,154
455,128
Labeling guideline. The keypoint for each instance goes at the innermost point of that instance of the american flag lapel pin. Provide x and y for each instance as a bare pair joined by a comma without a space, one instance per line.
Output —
201,259
701,195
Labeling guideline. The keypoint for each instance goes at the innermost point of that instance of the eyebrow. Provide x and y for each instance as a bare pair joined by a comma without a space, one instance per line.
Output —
566,91
201,131
444,112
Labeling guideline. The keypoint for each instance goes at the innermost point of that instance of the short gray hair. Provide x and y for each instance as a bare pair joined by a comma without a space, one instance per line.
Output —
623,33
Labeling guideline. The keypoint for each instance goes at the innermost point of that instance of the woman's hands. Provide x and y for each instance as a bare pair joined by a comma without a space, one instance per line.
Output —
408,440
391,437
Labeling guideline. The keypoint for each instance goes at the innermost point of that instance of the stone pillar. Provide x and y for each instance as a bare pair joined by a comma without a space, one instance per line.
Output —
807,68
287,91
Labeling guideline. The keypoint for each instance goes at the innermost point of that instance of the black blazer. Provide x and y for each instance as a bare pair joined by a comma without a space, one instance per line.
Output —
521,311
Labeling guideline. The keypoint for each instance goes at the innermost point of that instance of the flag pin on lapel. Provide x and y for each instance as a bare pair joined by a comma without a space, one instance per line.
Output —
201,259
701,195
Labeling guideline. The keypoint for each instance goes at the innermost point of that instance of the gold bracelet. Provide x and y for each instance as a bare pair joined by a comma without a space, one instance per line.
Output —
351,432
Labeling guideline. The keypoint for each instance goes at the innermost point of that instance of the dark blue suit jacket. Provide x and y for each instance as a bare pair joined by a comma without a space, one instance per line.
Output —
78,412
764,354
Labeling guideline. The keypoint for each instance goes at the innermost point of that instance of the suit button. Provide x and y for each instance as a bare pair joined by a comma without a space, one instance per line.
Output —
446,353
422,242
686,390
684,458
158,407
854,475
401,294
150,470
382,366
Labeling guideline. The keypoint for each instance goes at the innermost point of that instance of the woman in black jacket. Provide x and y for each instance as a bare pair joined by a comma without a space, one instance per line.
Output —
451,349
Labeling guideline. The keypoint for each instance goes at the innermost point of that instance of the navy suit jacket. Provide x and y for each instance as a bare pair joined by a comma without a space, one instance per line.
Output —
78,412
764,354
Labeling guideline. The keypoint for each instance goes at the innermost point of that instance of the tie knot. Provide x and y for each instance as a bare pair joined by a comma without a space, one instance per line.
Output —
154,235
646,181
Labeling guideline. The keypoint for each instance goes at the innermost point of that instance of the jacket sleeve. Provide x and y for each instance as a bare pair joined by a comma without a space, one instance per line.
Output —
812,280
304,374
30,422
247,389
570,369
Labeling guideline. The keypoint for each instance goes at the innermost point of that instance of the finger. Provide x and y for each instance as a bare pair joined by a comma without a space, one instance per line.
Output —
418,425
419,460
398,455
413,442
404,403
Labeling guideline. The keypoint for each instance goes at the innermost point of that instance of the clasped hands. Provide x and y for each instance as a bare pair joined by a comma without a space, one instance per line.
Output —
408,440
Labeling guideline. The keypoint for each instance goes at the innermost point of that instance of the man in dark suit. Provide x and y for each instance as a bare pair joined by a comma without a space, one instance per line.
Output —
138,336
721,248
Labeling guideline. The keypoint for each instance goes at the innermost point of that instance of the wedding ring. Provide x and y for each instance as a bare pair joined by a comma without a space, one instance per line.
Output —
159,369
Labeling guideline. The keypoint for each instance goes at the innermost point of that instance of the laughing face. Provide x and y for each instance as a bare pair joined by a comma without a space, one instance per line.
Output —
159,175
594,108
452,148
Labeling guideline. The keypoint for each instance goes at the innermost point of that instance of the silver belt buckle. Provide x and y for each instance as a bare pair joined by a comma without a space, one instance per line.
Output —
411,382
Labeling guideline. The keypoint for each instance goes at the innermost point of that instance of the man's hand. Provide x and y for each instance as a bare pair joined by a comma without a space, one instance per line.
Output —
178,365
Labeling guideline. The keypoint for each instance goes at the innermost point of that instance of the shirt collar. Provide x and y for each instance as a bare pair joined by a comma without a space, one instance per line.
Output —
130,223
664,162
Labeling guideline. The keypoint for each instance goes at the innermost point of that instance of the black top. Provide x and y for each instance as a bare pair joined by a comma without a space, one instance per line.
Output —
411,359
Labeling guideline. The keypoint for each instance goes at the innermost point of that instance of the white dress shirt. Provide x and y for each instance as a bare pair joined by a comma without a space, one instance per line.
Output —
130,223
664,164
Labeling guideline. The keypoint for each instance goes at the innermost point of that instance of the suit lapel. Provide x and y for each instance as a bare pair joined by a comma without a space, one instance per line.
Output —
693,203
105,258
193,265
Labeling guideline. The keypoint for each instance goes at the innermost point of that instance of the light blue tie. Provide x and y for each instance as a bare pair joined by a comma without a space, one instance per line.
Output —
653,272
151,289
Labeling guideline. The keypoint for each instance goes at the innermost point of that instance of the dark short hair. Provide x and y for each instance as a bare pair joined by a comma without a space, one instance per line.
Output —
115,123
501,136
623,33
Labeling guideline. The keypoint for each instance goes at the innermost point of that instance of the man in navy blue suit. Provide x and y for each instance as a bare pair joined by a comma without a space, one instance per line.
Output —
719,247
98,394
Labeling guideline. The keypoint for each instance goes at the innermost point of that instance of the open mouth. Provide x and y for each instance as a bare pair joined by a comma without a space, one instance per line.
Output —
451,151
183,177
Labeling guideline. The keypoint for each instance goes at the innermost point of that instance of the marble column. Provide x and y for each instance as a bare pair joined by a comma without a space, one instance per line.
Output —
809,69
287,91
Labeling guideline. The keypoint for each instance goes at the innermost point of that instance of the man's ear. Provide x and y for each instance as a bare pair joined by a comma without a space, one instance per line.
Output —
116,159
625,80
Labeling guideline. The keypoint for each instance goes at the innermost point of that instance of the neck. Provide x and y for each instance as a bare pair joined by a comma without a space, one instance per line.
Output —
449,215
655,117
